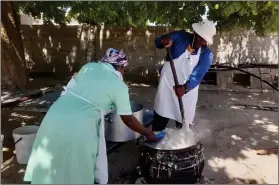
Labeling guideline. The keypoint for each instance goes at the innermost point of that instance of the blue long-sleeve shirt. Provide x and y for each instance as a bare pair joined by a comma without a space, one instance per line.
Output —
180,41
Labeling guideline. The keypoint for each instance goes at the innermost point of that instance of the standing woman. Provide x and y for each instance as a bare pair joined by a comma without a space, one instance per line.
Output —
70,145
192,59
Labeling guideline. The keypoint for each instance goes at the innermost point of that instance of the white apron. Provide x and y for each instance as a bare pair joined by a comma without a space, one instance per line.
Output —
166,102
101,169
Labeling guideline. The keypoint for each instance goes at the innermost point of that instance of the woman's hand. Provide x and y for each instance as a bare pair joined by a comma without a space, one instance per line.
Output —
167,42
151,137
180,90
134,125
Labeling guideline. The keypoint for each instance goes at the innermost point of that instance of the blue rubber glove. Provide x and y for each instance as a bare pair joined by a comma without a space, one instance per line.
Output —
160,135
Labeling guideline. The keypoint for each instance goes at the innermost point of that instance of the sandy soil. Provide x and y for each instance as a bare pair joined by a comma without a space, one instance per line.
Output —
230,134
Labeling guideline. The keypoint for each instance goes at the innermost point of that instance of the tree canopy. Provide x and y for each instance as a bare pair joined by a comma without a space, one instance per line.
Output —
260,16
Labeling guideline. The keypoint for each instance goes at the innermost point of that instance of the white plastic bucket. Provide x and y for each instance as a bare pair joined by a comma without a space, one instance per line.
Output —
24,138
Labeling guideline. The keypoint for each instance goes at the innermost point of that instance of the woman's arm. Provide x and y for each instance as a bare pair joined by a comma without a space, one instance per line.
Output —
135,125
200,70
174,36
123,107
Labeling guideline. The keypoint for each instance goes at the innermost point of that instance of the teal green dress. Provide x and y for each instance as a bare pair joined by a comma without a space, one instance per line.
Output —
66,145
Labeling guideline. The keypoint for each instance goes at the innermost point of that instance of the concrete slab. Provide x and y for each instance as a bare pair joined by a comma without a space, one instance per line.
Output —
230,137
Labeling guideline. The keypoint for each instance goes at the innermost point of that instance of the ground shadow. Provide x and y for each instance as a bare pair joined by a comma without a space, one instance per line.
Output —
231,135
230,149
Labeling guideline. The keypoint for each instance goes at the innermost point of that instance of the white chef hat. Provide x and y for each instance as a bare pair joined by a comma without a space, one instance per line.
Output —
206,29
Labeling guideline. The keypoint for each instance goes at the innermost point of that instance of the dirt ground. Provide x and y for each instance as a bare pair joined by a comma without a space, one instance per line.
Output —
230,133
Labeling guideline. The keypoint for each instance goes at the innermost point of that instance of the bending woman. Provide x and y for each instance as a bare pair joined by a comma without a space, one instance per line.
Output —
70,145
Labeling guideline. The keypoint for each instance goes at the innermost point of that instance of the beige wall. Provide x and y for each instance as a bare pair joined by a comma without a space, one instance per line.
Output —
63,50
239,47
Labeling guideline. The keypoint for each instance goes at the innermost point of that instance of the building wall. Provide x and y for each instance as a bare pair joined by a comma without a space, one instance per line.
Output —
63,50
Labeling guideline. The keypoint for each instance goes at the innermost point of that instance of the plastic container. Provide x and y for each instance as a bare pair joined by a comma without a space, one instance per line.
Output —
24,138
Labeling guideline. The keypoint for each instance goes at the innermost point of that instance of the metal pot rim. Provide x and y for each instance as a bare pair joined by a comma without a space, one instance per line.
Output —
198,145
137,106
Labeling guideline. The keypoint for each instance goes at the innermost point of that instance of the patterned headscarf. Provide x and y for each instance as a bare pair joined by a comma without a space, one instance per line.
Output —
115,57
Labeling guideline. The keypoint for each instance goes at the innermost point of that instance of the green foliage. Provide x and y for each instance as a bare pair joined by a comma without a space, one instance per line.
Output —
257,15
261,16
137,13
180,14
46,10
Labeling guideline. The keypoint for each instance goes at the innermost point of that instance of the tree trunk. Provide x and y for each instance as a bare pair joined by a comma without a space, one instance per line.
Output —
13,66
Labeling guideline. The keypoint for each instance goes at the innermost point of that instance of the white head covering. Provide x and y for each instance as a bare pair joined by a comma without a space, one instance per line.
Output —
206,29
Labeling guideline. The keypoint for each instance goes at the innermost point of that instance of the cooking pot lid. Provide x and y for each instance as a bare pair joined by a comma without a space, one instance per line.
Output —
175,139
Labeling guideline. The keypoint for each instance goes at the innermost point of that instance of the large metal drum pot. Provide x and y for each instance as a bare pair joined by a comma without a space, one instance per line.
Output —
182,166
117,131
